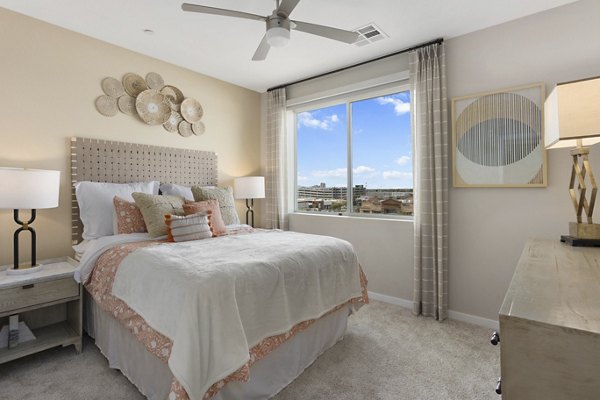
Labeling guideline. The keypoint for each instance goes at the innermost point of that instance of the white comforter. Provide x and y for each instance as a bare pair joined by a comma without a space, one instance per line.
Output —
217,298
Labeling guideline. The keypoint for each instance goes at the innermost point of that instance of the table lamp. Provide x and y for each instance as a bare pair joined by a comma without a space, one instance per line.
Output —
249,188
27,189
572,119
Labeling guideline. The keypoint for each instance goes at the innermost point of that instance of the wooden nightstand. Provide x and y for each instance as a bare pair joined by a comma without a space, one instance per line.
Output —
49,301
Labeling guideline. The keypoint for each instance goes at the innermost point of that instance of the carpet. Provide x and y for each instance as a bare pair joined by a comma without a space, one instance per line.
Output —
387,354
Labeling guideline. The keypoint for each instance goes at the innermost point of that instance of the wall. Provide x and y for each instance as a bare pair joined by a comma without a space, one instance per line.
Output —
488,227
49,79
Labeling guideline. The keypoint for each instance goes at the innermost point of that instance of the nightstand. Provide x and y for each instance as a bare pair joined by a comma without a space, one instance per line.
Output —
48,301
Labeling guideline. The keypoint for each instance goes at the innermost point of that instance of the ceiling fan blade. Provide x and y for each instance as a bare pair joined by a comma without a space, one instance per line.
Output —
325,31
286,7
263,49
220,11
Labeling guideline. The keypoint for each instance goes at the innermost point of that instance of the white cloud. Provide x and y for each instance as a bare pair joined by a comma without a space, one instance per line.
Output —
396,175
332,173
400,106
326,123
404,160
361,169
302,178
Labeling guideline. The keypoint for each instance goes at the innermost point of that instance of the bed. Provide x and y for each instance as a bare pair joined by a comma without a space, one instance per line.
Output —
238,316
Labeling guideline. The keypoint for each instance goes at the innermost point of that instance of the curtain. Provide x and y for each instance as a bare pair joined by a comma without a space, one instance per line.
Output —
275,162
430,121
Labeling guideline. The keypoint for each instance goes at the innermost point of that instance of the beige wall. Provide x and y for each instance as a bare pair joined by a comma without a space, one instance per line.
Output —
488,227
49,79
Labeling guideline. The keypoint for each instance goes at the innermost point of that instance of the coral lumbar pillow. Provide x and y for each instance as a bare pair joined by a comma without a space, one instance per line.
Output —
190,227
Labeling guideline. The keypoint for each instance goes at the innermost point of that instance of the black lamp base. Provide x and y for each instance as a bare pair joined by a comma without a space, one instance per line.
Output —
249,212
25,226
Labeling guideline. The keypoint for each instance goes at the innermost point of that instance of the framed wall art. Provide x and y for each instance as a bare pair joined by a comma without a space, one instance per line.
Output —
498,138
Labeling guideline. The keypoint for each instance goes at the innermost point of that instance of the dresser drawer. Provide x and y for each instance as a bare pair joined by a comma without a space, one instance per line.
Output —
39,293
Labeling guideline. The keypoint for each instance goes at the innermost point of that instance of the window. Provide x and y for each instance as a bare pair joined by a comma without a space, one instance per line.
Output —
354,156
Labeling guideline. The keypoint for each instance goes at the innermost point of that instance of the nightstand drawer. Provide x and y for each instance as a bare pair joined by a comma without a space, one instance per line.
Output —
39,293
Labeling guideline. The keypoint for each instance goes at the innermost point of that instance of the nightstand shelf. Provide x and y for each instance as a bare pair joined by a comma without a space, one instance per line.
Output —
49,302
47,337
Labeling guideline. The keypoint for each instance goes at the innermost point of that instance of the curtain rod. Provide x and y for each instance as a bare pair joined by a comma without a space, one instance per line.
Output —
436,41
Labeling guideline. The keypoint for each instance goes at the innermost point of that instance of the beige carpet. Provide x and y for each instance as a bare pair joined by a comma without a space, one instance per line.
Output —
386,354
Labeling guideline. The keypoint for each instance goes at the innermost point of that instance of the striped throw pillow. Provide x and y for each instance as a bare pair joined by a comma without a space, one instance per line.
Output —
190,227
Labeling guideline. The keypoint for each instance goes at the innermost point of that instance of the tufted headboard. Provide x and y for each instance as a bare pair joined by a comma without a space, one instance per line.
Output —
118,162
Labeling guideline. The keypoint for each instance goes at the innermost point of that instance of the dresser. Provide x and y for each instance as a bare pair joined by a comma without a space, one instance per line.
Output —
550,324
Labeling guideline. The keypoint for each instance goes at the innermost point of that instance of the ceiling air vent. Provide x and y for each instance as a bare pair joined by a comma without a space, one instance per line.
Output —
369,34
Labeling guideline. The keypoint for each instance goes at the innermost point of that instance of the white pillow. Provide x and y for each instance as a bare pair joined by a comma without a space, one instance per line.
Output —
95,201
172,189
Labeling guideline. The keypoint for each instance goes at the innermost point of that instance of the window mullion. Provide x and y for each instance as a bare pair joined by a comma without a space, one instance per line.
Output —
349,201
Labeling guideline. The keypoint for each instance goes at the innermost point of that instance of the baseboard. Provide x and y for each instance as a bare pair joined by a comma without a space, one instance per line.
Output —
391,300
454,315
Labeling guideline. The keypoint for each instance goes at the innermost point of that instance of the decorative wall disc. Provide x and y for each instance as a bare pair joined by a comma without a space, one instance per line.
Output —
134,84
154,81
198,128
126,105
107,105
174,95
185,129
191,110
112,87
173,122
153,107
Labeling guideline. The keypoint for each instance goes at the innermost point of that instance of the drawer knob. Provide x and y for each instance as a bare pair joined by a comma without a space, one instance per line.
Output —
495,338
499,386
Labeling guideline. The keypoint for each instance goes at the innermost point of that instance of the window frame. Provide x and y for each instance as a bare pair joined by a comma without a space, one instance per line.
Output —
347,99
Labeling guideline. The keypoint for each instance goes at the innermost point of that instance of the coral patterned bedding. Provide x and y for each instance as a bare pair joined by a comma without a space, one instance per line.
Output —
213,307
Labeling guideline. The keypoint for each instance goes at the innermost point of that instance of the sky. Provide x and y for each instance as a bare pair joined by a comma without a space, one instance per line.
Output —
381,144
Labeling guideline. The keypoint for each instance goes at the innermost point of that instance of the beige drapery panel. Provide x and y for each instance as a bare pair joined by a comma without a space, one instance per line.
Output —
275,162
430,121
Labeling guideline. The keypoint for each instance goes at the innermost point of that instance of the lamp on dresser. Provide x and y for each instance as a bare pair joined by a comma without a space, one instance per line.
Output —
27,189
572,119
249,188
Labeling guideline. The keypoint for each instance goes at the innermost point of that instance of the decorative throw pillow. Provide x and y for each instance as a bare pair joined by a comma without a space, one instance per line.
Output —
189,227
225,198
216,220
129,217
154,208
173,189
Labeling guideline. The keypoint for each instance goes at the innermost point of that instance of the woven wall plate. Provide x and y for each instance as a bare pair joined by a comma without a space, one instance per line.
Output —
198,128
191,110
174,95
185,129
173,122
112,87
126,105
154,81
134,84
153,107
107,105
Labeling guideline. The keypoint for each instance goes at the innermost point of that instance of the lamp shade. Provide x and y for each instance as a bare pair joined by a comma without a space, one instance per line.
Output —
572,111
28,188
249,187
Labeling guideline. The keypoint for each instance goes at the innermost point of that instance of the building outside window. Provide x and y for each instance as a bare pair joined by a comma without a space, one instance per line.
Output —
354,156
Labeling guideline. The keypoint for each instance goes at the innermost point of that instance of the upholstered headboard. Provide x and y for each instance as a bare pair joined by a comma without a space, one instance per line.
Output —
118,162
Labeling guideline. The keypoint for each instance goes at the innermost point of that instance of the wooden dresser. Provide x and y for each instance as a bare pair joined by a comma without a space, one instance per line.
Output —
550,324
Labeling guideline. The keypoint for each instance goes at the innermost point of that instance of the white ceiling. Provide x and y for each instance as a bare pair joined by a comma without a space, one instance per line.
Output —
222,47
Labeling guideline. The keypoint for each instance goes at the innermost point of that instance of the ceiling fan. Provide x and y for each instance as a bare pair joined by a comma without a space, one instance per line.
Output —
278,25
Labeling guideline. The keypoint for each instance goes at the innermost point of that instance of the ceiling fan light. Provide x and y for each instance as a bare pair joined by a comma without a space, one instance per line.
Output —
278,37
